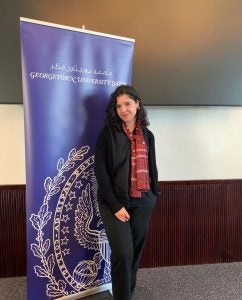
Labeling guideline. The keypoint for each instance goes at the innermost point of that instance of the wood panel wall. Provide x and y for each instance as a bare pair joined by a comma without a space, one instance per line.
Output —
12,231
194,222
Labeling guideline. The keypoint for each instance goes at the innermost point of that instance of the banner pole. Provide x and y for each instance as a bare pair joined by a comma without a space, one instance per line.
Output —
27,20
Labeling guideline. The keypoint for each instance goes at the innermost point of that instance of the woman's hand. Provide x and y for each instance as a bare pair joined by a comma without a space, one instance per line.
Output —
122,215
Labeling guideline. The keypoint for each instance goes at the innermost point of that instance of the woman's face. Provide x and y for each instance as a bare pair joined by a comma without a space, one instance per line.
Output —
126,108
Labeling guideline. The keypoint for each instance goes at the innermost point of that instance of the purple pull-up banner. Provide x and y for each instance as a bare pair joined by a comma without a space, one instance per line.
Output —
68,75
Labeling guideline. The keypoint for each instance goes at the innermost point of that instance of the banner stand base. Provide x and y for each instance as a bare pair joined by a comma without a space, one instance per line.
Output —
89,292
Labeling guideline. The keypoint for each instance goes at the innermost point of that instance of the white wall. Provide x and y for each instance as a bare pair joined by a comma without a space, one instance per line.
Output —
198,143
12,162
191,142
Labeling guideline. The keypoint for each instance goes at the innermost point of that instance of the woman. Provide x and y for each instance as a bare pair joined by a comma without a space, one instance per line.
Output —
126,173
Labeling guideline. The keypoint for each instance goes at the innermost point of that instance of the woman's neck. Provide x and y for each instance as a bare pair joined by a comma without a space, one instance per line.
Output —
131,126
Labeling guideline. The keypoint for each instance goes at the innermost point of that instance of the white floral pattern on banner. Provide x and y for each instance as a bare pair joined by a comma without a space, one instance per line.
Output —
76,217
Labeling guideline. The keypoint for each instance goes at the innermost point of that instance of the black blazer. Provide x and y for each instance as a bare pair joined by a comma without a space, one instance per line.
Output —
112,166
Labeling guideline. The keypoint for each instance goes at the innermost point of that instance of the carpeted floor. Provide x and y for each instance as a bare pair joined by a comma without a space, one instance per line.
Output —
199,282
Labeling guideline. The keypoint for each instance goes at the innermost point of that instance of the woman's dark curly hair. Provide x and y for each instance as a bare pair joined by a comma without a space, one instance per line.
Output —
112,118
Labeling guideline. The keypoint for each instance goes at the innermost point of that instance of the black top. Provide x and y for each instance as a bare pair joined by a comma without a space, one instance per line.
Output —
112,166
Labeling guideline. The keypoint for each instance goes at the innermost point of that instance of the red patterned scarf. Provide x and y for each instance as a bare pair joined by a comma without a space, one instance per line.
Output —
139,162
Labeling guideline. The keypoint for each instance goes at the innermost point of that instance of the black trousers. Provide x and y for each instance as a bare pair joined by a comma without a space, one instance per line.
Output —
127,240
